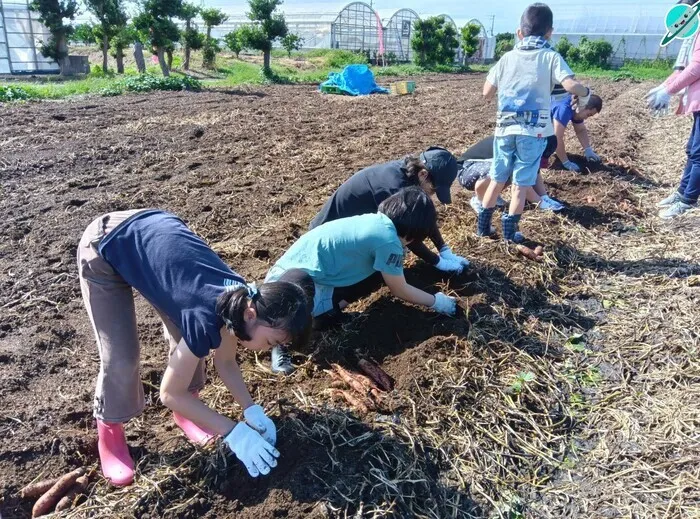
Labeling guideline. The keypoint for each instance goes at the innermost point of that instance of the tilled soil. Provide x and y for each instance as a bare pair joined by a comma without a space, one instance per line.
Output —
248,169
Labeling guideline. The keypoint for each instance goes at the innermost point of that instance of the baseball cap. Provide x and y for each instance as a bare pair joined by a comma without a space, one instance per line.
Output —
442,167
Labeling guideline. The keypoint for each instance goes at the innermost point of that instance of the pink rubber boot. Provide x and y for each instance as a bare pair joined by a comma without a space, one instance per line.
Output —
194,432
117,465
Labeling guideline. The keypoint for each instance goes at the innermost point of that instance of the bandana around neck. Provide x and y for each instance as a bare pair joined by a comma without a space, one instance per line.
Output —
533,43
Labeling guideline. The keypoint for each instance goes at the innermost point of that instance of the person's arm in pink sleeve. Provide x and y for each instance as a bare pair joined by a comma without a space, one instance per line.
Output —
690,75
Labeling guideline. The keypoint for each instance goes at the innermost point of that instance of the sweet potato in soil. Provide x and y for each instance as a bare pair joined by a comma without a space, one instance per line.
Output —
377,374
37,489
51,497
67,501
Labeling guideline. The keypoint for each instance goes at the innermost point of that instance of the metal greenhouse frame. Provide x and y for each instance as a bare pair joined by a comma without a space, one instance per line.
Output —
21,35
398,33
358,28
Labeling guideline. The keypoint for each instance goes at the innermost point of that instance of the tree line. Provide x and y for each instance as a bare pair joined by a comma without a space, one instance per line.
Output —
156,25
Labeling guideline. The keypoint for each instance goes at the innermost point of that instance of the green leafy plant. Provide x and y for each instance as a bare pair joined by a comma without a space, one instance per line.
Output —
156,26
211,17
234,42
111,19
522,379
52,14
191,38
83,33
149,82
576,343
126,36
292,42
267,27
505,42
13,93
434,42
470,39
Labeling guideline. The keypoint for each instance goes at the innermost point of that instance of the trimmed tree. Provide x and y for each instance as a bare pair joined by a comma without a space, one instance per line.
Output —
233,42
155,25
191,35
434,42
292,42
51,15
470,40
505,42
121,41
83,33
267,27
211,17
111,19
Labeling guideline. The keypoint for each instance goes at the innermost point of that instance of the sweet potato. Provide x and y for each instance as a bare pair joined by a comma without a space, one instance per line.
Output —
377,374
351,380
48,501
67,501
37,489
528,253
539,250
360,404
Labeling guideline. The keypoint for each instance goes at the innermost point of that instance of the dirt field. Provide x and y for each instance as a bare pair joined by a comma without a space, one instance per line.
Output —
570,389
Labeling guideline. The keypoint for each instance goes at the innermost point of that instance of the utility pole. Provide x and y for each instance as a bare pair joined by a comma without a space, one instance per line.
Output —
493,21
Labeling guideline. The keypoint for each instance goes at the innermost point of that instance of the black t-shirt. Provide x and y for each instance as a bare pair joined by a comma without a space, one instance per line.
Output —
363,192
482,150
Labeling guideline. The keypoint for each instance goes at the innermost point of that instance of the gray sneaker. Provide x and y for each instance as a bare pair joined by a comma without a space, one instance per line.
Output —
281,360
670,200
675,210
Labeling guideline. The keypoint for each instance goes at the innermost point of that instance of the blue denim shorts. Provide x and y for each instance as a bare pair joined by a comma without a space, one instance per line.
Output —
519,156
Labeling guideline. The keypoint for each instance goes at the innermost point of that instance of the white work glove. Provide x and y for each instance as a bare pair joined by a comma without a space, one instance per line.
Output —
591,155
571,166
446,253
448,265
444,304
257,455
658,100
255,417
582,102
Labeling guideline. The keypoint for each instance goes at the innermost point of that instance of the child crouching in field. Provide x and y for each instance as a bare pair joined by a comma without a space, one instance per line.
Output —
348,259
524,79
205,307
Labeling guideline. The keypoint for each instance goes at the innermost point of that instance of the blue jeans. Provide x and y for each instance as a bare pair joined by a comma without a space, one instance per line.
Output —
689,188
519,156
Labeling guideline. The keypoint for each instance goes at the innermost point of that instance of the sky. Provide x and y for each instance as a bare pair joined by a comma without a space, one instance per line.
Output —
503,15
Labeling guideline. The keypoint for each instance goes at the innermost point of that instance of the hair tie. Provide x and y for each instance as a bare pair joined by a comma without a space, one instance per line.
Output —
252,291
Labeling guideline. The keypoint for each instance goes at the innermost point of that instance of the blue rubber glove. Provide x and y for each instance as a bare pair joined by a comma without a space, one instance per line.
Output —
258,456
446,253
255,417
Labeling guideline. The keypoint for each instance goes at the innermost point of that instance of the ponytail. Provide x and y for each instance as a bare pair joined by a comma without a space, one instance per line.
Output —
278,304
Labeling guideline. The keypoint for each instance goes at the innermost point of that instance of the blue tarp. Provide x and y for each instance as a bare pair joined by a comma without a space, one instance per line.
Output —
355,80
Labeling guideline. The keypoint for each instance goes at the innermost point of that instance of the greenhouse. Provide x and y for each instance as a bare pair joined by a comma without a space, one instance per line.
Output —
358,28
21,35
633,37
398,32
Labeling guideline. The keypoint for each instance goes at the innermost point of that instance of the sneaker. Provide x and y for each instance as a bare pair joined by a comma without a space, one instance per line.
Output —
281,360
476,204
670,200
500,202
675,210
550,204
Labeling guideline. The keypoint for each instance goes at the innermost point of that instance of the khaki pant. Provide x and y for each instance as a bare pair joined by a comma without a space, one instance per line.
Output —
109,302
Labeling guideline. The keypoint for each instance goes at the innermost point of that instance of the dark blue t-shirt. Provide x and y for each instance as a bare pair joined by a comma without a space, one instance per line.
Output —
179,274
563,112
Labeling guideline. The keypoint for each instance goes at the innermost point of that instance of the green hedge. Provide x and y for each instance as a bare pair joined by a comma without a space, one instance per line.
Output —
148,83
